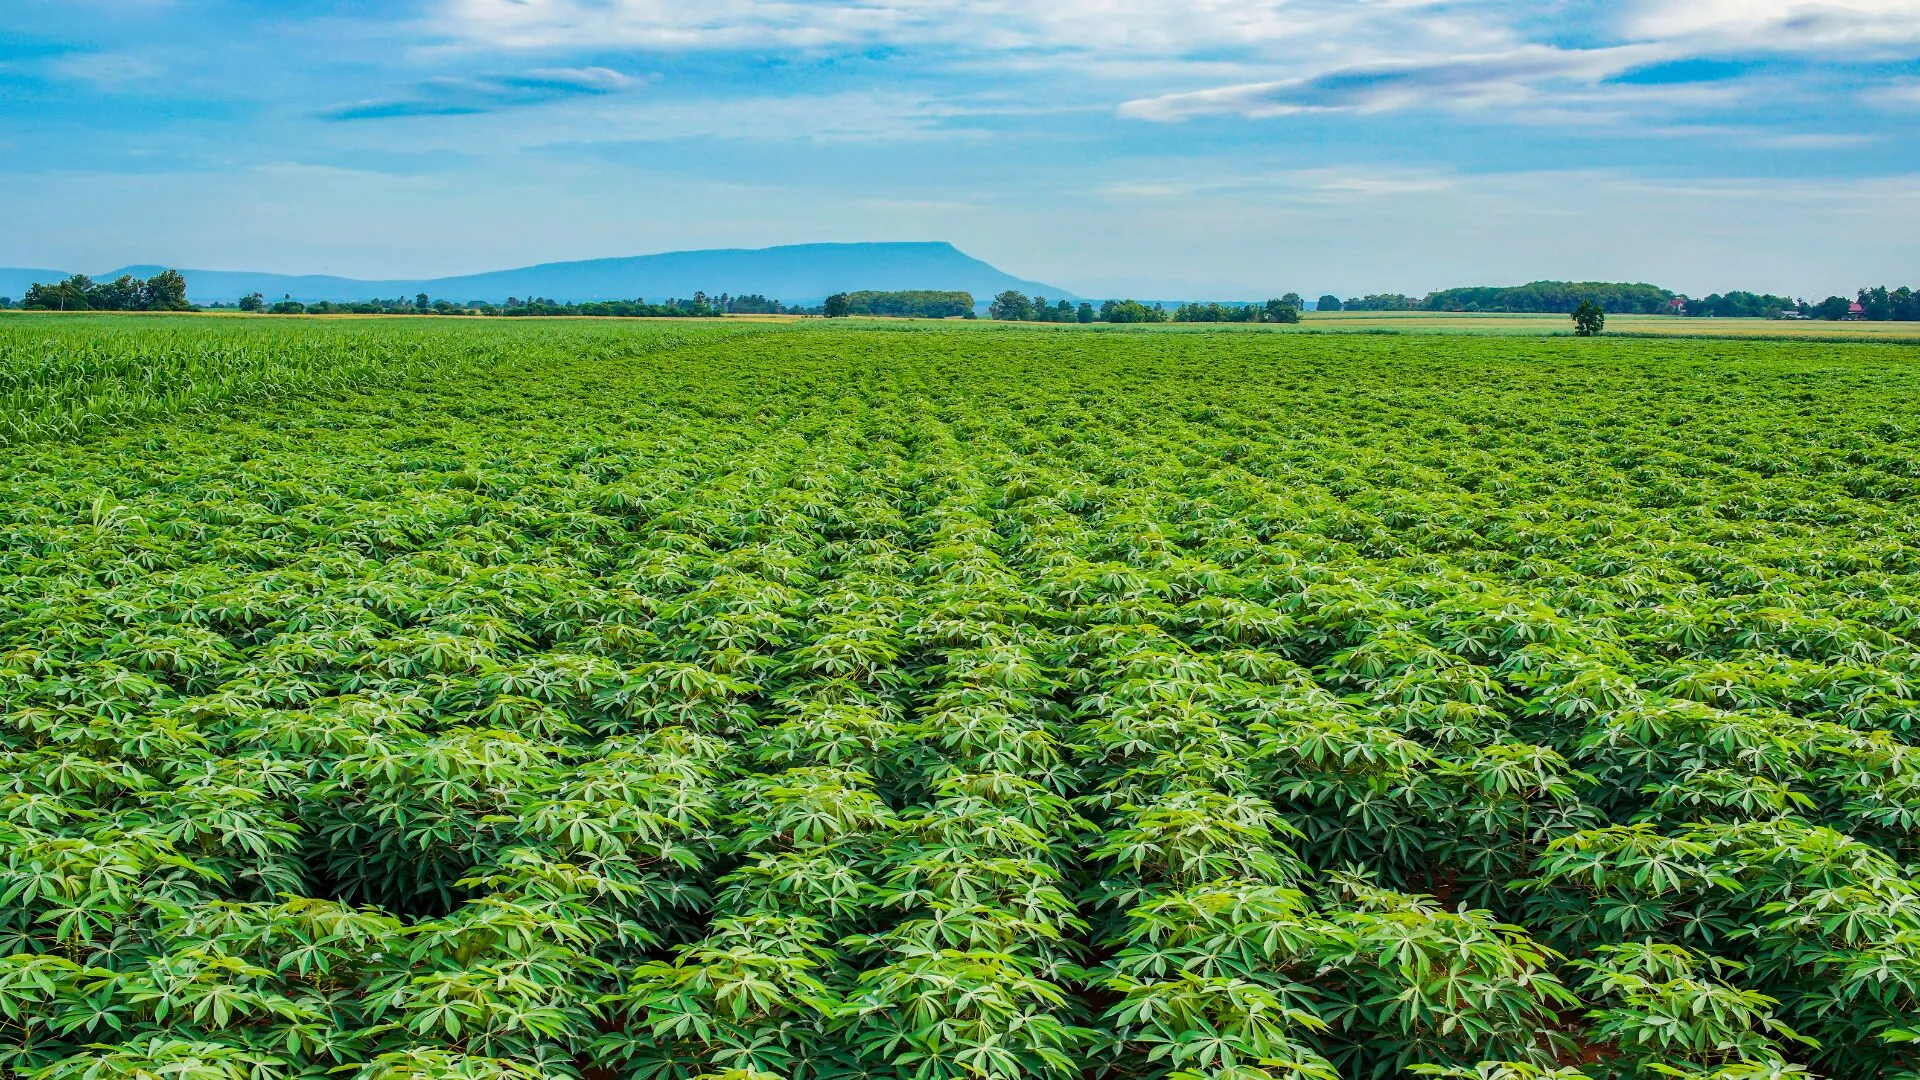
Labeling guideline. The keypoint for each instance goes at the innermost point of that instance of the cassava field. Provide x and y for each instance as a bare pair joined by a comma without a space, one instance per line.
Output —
452,699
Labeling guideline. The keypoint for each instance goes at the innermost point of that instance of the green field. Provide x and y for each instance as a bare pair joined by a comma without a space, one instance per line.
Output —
432,699
1634,325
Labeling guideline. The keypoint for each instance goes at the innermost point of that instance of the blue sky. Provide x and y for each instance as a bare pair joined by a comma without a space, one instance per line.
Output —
1144,147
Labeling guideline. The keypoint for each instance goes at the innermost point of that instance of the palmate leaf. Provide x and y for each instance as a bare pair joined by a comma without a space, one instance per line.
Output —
157,1056
950,702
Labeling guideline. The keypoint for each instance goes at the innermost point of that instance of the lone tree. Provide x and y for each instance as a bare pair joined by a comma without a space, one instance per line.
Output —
1589,319
1328,302
1013,306
838,305
1285,309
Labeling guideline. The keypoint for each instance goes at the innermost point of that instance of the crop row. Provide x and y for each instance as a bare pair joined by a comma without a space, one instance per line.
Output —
73,377
830,702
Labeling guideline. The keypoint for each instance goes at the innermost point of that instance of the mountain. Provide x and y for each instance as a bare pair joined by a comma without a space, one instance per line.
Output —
795,274
14,280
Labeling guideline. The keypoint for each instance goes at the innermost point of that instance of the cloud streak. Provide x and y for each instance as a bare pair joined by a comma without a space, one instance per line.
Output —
1782,26
1267,58
1088,29
1504,78
487,93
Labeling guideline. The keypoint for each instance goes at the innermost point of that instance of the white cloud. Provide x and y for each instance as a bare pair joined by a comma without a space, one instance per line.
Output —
109,70
1169,60
1090,28
1781,25
1901,93
1503,78
1328,185
1249,57
630,126
486,94
1813,140
604,80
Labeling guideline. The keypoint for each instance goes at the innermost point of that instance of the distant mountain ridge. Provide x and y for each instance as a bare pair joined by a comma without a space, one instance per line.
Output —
794,274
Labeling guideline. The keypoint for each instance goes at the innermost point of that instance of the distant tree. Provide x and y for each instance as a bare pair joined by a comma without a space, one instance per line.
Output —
837,306
420,302
912,304
5,302
1295,299
1832,308
1589,318
121,294
1285,309
1740,305
164,291
75,291
1557,297
1130,311
1379,302
68,295
1328,302
1012,306
755,304
1085,314
288,307
253,302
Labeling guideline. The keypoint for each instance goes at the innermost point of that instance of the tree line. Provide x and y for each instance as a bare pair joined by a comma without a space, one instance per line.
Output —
906,304
700,305
1875,304
1553,297
167,291
164,291
1015,306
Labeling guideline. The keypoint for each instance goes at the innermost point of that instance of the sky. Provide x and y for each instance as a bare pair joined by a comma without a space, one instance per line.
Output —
1155,148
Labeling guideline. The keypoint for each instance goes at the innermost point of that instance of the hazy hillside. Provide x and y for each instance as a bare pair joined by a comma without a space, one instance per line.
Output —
803,273
14,280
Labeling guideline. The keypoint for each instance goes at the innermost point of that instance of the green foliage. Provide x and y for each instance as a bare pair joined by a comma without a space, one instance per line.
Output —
1131,311
164,291
841,701
916,304
1741,305
1880,304
1380,302
1012,306
1273,311
1589,318
1555,297
69,378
